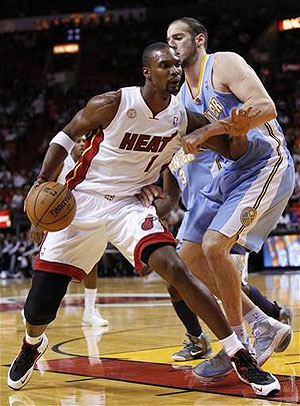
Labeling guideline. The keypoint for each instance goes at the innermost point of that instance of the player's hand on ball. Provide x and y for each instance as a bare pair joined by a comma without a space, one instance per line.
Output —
37,182
50,206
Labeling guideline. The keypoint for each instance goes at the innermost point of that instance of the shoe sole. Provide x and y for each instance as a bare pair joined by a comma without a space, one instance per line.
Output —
281,340
28,374
215,378
86,324
285,343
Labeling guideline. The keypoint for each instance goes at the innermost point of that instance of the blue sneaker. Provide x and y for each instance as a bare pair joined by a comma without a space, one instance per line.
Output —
214,369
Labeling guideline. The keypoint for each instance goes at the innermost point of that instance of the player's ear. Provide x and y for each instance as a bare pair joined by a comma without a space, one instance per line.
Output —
146,72
200,39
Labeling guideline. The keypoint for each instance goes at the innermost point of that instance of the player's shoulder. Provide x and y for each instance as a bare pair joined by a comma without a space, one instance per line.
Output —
228,57
105,99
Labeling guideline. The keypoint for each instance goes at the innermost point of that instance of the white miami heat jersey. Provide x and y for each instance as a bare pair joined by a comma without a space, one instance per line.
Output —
131,152
69,164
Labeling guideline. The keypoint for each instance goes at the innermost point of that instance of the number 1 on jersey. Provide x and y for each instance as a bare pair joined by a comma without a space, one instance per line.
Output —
151,163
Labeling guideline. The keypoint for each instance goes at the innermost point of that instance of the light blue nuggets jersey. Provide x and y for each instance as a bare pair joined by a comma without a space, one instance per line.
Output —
265,141
248,195
193,172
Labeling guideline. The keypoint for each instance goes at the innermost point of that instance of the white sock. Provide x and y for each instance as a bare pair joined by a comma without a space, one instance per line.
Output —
255,316
33,340
241,333
89,300
231,344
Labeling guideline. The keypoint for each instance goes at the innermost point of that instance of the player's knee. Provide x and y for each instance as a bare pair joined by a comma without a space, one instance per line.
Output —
45,296
211,248
41,311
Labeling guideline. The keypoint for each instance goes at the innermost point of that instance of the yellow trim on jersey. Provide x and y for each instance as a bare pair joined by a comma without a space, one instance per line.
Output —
218,162
202,68
77,166
272,174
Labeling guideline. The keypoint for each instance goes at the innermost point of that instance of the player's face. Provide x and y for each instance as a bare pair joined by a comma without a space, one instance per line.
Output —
79,146
166,71
183,42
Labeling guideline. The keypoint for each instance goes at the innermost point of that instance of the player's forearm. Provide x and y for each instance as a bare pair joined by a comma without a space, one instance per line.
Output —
54,158
164,206
262,110
238,146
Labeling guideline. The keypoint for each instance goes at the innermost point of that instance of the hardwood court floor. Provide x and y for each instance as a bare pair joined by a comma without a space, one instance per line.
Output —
130,363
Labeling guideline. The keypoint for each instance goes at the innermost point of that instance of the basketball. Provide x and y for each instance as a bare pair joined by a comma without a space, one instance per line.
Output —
50,206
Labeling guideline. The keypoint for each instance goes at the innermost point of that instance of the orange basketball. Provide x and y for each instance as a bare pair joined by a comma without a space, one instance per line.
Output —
50,206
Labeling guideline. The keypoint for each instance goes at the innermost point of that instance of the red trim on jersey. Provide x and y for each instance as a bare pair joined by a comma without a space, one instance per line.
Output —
78,173
57,267
150,239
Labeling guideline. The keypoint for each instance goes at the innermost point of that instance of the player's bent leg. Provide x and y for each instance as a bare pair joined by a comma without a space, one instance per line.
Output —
216,247
193,256
196,345
40,309
168,265
166,262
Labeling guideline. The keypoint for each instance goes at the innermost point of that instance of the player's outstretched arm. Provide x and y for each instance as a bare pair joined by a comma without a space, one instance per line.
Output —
202,134
99,112
213,135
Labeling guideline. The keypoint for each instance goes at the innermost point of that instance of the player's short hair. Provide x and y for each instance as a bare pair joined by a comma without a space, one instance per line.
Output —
195,27
151,50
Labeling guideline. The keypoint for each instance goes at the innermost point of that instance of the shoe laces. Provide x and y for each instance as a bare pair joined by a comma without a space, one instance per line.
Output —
188,345
247,365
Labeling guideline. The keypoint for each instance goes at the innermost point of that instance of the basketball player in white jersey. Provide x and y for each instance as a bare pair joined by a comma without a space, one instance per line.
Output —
243,203
136,131
91,315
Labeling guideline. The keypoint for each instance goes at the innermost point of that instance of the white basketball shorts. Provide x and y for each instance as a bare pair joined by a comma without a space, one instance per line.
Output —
122,221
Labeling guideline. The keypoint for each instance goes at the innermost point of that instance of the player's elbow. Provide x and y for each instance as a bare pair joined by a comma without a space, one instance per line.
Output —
271,111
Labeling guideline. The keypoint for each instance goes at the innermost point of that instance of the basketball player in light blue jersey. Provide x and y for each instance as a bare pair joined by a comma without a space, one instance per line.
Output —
243,203
185,176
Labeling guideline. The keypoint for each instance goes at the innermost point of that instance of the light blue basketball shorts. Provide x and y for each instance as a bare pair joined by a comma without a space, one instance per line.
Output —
246,201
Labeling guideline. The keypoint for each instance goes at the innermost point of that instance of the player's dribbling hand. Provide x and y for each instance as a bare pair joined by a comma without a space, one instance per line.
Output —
35,234
149,193
37,182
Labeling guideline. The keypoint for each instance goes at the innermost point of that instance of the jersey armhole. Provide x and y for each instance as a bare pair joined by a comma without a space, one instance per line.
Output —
117,112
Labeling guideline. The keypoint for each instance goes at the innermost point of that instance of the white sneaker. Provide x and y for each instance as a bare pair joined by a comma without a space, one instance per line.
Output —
93,319
270,335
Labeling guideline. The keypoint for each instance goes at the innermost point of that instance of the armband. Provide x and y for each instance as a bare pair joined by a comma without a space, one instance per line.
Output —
64,140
